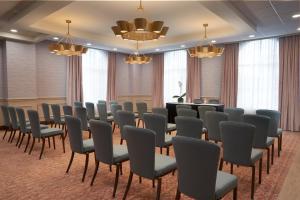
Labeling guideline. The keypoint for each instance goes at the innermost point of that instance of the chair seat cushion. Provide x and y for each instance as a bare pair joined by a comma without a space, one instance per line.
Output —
256,154
171,127
225,183
51,132
163,165
270,141
88,145
120,153
168,140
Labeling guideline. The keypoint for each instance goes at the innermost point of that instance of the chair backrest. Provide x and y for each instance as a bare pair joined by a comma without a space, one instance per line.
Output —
68,110
202,110
46,112
102,110
34,123
22,119
197,164
141,108
114,109
189,126
237,138
214,101
75,134
182,106
78,104
213,120
262,125
5,114
186,112
275,117
80,113
158,124
141,151
103,141
128,106
125,118
56,113
90,108
13,117
234,114
162,111
198,101
112,103
102,101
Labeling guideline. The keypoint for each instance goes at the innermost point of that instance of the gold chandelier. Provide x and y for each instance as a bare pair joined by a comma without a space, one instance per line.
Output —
140,29
66,47
137,58
208,51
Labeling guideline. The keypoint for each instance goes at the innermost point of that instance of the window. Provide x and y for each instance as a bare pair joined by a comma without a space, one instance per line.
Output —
258,74
175,72
94,75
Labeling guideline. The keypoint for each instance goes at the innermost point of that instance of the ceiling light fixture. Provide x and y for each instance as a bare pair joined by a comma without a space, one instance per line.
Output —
140,29
251,36
213,41
55,38
298,29
208,51
66,47
296,16
88,44
13,30
157,49
137,58
115,49
182,46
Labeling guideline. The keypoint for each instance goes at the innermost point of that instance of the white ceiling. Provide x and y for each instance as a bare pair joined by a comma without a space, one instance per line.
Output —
92,20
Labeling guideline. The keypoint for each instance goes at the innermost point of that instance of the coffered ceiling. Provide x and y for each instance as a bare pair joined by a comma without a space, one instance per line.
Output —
92,20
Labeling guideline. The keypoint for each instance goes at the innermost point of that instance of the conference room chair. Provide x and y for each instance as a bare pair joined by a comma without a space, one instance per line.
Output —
14,123
144,162
68,110
186,112
163,111
102,102
234,114
78,104
58,118
141,109
189,126
158,124
198,101
183,106
261,139
6,120
114,109
198,175
213,120
81,114
202,110
105,151
213,101
90,108
128,106
42,134
275,132
46,112
103,115
77,144
237,138
125,118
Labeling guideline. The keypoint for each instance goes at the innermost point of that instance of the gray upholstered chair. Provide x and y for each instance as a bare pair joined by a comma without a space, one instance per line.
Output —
275,132
261,139
78,104
163,111
58,118
189,126
103,115
114,109
182,106
234,114
141,109
80,113
39,133
125,118
198,177
68,110
102,102
113,102
213,101
144,162
14,123
237,138
186,112
46,112
90,108
158,124
213,120
105,151
6,119
202,110
128,106
77,144
198,101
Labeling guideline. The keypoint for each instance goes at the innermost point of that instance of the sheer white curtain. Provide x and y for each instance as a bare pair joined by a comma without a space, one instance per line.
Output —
94,75
258,74
175,73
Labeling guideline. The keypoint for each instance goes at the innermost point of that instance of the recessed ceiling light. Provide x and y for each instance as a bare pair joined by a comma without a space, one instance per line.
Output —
89,44
296,16
136,53
55,38
157,49
115,49
251,36
182,46
298,29
14,30
213,41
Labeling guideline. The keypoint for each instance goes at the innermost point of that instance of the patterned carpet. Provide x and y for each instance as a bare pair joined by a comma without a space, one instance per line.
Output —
23,176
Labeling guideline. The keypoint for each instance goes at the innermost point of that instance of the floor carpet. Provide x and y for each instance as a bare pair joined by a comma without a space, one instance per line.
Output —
24,176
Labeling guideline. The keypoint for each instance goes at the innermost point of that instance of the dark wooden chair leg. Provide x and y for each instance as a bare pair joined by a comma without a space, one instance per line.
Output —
168,151
153,183
22,138
114,127
235,193
63,143
28,140
260,170
13,136
43,146
128,185
140,179
19,138
221,164
116,179
161,150
90,133
268,160
278,148
32,146
49,142
158,189
53,138
138,124
5,133
95,172
272,158
121,169
11,133
121,141
178,193
70,162
85,166
231,168
253,182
